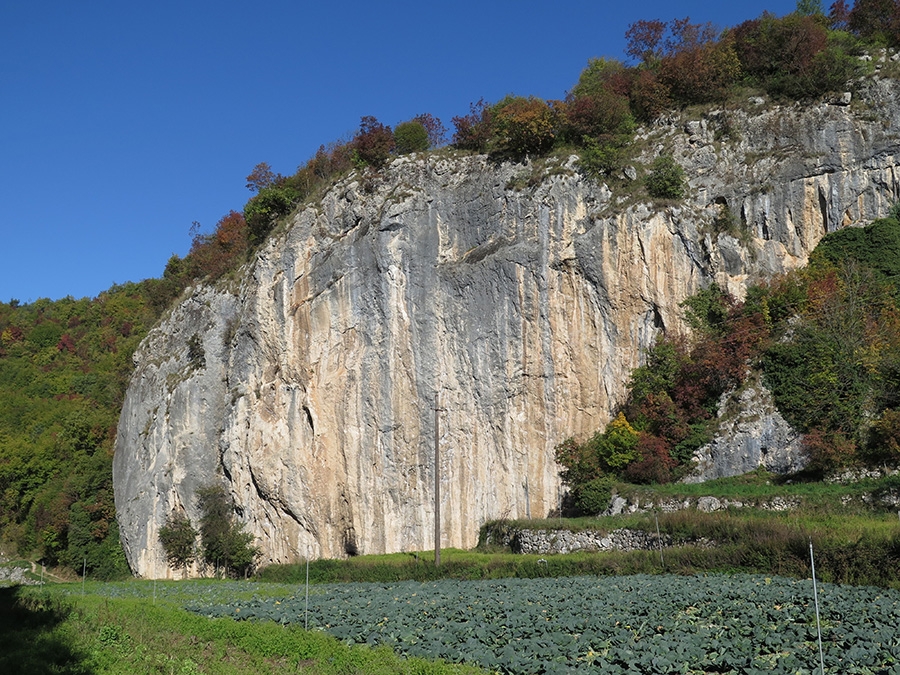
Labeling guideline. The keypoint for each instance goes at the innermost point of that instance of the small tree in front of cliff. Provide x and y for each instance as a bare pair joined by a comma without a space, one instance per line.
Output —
225,544
178,538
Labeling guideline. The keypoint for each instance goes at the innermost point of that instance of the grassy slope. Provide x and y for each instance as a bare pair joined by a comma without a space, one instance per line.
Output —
46,631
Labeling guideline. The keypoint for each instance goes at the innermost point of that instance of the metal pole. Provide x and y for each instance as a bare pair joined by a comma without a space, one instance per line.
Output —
812,564
659,540
437,481
306,617
153,526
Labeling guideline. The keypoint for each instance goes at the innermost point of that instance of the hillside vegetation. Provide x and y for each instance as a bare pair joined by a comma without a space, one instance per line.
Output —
64,364
827,341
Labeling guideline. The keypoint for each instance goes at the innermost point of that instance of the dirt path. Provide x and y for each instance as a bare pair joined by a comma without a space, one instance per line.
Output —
36,571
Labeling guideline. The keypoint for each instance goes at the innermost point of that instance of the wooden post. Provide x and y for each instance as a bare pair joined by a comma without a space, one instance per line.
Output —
437,481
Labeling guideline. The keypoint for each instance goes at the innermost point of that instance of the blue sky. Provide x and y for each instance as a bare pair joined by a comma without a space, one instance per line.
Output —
122,123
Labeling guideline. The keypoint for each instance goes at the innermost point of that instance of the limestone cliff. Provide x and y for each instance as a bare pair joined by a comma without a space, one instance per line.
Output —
308,385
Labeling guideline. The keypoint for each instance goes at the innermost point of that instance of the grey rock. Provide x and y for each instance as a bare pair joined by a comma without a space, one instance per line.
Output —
709,504
526,309
751,434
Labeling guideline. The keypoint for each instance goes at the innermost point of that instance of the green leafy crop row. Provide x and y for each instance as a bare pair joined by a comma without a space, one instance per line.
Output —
646,624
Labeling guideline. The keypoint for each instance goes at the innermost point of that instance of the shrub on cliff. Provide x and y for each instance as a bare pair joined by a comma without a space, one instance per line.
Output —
521,127
411,136
473,131
795,56
373,143
876,20
666,179
212,255
263,211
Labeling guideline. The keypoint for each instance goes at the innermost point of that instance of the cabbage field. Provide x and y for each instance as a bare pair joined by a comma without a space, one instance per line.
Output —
743,624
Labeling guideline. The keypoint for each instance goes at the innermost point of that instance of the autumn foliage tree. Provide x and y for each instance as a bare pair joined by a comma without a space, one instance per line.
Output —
521,127
644,40
212,255
262,177
437,132
877,20
700,73
794,56
473,131
674,396
373,143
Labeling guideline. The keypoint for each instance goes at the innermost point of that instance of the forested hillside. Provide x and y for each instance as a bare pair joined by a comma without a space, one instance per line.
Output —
63,370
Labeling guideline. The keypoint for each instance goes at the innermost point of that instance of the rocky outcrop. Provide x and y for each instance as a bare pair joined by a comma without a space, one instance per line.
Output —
307,386
751,434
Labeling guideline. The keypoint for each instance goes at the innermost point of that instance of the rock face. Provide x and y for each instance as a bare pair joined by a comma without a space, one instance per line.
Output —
752,434
307,386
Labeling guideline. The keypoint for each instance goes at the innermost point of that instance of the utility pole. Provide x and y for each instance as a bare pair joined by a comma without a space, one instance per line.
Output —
437,481
527,500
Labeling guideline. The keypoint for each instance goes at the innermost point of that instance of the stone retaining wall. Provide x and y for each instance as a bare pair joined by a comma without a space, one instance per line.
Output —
565,541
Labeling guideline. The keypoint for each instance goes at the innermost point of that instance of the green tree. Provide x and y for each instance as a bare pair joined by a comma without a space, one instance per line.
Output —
411,136
178,538
224,542
666,179
263,211
810,7
706,312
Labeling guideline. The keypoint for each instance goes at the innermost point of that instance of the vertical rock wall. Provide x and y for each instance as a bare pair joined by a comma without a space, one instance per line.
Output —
526,309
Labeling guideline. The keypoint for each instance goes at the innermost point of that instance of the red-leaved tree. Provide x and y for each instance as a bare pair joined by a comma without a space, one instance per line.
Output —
373,143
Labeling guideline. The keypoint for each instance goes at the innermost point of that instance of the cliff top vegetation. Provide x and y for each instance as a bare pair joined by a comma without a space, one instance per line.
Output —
676,64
